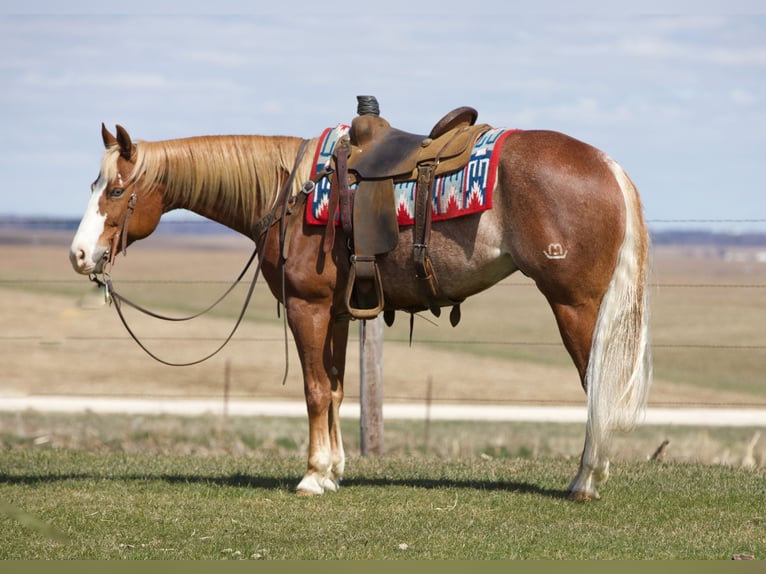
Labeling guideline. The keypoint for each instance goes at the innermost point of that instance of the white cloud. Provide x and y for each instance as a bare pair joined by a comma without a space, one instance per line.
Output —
72,80
741,57
743,97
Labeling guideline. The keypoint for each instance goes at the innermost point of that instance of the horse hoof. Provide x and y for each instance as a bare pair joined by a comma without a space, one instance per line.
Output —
583,496
310,485
330,484
304,492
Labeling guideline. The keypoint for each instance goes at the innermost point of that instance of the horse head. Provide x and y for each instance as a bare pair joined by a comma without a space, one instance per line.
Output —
119,211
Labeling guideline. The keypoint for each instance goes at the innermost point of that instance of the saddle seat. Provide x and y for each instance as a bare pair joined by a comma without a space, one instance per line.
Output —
379,151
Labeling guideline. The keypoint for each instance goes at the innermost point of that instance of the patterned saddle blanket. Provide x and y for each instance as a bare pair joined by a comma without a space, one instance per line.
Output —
465,191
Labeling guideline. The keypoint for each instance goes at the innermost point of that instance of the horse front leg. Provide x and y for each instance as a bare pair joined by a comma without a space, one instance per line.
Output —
339,343
321,345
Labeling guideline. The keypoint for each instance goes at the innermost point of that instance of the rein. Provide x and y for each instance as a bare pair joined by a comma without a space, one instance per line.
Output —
118,299
260,229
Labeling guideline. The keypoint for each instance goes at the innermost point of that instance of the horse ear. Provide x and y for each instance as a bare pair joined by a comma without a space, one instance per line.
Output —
123,139
109,139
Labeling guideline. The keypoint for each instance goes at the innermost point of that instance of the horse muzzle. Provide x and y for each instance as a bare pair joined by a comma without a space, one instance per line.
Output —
87,261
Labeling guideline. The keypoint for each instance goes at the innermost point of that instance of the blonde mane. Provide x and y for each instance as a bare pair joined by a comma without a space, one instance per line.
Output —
227,175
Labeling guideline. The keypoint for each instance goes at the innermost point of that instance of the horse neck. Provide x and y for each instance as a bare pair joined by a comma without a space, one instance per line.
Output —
232,180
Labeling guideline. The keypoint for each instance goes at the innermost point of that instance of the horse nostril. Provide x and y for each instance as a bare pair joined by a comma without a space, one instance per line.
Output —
77,257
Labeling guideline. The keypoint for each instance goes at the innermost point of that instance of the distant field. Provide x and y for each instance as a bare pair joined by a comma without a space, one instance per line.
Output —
707,318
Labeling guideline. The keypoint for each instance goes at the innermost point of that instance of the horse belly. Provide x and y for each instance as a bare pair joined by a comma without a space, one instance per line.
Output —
467,257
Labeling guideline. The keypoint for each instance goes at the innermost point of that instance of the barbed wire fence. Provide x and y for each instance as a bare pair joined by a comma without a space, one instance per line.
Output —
680,345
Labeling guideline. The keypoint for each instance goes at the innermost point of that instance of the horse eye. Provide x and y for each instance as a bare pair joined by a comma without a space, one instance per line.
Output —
116,192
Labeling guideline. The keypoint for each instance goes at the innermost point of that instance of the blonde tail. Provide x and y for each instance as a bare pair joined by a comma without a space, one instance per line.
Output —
620,368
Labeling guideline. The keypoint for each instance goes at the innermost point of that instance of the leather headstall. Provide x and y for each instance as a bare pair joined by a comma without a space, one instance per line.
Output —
122,232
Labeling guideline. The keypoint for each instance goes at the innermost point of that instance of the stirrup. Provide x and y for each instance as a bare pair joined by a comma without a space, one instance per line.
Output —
371,272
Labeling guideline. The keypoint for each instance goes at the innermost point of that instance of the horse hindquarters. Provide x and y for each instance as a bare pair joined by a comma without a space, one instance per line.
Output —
575,227
619,371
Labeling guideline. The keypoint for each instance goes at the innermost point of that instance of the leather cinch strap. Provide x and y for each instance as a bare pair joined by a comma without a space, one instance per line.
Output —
423,195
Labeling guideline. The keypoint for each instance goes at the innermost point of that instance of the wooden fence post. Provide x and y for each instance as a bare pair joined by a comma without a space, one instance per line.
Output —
371,386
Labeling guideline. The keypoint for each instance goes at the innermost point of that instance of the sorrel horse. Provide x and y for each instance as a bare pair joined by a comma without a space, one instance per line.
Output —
563,213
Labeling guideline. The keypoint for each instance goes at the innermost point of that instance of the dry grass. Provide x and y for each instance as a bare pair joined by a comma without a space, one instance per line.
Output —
59,338
259,437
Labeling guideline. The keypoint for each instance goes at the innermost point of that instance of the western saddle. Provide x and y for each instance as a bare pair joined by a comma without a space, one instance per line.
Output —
374,156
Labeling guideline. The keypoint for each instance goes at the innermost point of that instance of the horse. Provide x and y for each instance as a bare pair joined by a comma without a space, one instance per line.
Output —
564,214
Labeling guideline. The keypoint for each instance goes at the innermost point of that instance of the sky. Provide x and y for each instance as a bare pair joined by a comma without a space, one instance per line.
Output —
677,97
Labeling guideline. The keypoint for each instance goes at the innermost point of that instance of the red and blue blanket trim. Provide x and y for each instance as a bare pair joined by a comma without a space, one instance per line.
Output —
462,192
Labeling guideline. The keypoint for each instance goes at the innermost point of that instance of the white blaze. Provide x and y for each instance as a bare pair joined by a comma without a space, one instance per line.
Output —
85,253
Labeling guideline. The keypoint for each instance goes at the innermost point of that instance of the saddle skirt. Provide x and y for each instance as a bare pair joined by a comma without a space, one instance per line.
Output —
462,192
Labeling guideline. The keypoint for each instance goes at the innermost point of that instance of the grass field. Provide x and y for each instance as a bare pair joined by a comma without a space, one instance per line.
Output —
163,488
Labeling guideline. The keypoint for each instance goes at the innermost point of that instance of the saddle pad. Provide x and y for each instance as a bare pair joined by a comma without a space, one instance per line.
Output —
462,192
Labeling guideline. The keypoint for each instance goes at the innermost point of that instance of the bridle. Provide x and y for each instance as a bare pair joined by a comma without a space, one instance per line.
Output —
122,232
283,206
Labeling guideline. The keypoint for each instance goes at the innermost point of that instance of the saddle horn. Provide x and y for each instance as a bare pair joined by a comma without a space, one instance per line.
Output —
367,106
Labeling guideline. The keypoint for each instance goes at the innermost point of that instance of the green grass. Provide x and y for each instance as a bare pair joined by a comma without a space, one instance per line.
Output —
185,507
163,488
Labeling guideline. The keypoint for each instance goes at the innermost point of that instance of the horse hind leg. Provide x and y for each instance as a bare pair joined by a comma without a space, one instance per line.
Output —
609,343
576,324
